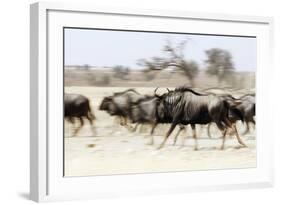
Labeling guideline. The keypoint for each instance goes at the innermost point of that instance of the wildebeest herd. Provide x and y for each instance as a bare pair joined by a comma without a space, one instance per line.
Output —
182,106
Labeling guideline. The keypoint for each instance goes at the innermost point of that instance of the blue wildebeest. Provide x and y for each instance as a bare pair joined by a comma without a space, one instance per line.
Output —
246,107
185,106
119,104
144,111
78,106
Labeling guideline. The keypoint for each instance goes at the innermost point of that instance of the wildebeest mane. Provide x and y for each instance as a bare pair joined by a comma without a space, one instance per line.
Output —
228,96
247,95
144,98
125,91
188,89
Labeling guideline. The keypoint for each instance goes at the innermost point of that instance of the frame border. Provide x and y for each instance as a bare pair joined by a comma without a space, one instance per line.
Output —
39,176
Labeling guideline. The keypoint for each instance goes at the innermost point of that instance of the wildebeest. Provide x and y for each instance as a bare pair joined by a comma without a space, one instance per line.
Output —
246,107
78,106
119,104
185,106
234,113
144,111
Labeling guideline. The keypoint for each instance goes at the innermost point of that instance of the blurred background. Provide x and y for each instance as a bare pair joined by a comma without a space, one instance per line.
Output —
109,58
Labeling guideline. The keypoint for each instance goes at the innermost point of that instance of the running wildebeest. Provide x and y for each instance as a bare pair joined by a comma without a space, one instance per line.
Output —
119,104
78,106
234,113
144,111
246,108
185,106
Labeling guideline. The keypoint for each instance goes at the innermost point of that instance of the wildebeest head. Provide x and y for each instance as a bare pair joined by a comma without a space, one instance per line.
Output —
108,105
119,103
160,97
248,106
105,103
162,108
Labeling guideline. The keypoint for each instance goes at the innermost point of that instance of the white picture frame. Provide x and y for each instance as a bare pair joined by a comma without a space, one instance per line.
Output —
46,179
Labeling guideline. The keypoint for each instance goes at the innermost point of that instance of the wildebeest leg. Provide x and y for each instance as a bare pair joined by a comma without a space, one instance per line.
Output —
122,120
115,125
136,127
71,120
248,125
125,124
154,125
237,136
168,134
91,120
79,127
247,128
253,121
223,138
194,136
182,127
209,130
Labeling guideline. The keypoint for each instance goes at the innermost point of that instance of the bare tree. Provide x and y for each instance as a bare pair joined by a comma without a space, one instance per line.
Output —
173,57
190,69
219,63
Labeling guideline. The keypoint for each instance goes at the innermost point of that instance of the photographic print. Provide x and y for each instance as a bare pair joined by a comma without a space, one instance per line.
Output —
148,102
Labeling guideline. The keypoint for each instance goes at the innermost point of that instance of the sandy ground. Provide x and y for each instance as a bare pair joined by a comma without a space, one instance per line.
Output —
116,150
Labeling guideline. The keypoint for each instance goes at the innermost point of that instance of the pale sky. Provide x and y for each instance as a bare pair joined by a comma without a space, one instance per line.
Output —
111,48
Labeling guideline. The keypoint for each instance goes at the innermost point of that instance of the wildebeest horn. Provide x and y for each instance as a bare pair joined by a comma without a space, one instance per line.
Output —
168,89
155,92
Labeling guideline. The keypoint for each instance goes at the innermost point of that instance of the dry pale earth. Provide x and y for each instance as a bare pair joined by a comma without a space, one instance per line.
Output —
116,150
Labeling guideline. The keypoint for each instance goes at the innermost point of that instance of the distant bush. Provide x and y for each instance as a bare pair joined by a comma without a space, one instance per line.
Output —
121,72
104,80
149,74
219,63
